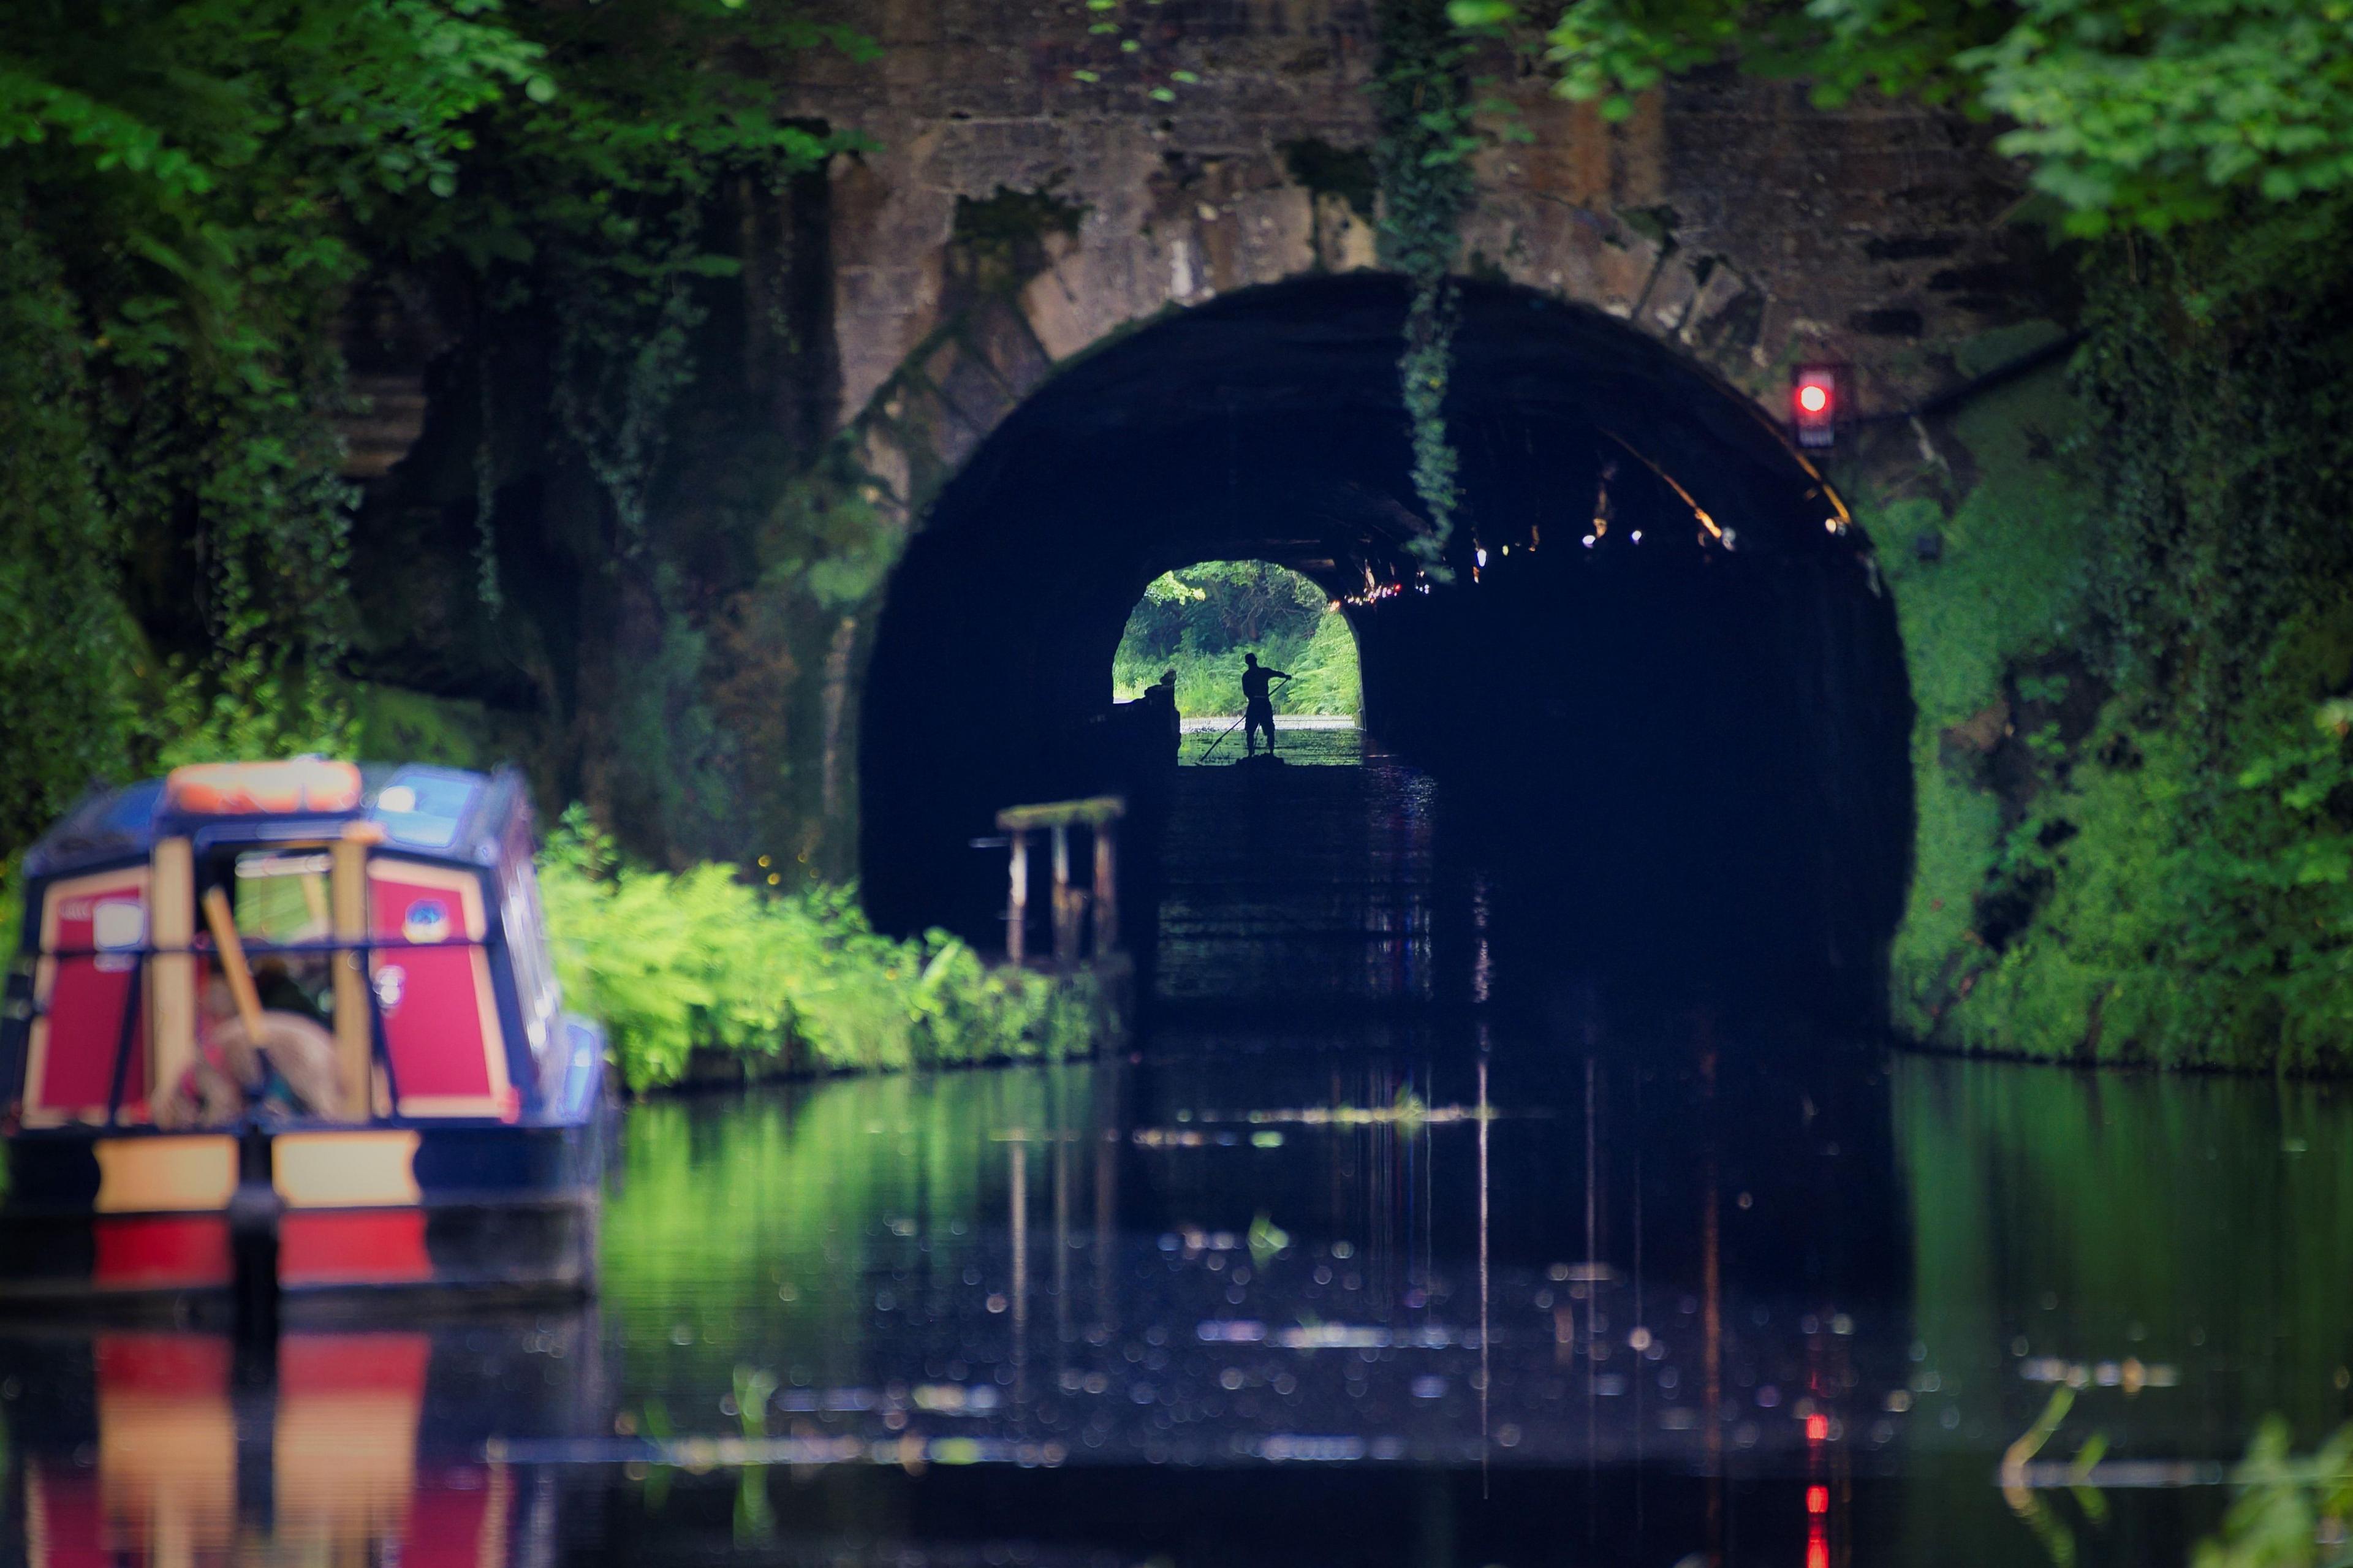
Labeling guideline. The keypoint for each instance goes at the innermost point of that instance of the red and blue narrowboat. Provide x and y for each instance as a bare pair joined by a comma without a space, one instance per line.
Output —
288,1030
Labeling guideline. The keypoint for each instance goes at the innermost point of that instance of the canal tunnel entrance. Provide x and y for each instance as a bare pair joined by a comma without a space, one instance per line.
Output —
1662,698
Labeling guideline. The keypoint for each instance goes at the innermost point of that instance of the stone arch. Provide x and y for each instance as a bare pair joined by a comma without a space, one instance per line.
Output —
1747,652
1726,218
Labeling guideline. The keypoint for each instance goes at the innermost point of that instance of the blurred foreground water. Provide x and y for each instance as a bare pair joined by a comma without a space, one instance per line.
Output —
1344,1285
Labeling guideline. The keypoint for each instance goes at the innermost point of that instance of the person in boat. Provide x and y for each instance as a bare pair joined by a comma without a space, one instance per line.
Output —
284,1069
1258,703
285,988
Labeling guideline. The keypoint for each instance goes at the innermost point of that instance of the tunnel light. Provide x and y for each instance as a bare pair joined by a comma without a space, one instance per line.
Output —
1814,403
1638,536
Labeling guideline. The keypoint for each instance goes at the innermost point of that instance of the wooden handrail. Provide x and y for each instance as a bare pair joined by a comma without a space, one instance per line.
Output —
1092,811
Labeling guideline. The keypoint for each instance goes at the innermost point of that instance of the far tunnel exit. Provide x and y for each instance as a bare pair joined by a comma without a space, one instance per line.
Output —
1659,695
1187,649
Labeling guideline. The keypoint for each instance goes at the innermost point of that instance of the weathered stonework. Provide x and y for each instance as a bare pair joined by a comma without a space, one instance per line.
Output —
1029,194
1727,215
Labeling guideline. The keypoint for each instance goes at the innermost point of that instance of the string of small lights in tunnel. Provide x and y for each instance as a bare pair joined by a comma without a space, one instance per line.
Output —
1839,522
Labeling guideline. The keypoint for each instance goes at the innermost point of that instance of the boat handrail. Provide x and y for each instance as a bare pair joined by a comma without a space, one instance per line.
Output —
329,945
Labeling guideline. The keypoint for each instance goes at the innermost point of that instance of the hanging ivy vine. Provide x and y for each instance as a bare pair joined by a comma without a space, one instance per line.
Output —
1423,160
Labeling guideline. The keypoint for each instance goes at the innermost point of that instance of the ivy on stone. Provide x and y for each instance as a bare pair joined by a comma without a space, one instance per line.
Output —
1422,161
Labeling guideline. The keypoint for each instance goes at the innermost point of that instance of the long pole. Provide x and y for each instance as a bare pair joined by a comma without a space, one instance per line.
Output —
1221,739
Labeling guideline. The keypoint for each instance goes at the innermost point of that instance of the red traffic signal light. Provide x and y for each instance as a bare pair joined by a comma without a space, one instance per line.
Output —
1814,403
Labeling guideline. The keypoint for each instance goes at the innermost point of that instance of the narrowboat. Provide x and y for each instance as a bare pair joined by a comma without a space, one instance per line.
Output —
290,1030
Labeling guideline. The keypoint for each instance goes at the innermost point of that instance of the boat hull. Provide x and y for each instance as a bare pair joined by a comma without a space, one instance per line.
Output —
493,1210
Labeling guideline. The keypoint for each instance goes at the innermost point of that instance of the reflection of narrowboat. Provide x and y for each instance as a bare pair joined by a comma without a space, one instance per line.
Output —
160,1449
291,1026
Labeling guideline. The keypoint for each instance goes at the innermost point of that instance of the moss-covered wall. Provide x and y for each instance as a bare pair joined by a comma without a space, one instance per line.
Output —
2126,599
1980,523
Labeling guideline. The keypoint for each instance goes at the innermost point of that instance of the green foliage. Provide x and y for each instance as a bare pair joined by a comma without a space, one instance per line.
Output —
588,206
2153,112
824,538
2290,1512
192,189
1128,44
201,175
670,963
66,644
1199,621
391,723
2136,796
1422,158
2004,589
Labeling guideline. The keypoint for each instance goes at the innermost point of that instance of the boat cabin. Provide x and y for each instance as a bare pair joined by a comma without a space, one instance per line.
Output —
332,964
398,912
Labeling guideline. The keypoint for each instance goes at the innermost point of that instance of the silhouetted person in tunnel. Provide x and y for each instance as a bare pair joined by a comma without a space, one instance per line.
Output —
1258,706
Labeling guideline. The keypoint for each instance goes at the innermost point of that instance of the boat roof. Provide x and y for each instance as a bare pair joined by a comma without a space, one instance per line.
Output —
442,814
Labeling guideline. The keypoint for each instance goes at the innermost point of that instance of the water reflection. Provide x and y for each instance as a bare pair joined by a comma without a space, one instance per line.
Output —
2174,1249
1302,889
1644,1292
172,1449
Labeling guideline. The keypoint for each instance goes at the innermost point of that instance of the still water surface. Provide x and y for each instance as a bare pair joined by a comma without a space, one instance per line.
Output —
1337,1277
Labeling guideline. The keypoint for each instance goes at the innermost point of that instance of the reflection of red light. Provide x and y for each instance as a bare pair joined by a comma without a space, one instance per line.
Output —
1818,1500
1814,399
1818,1428
1817,1552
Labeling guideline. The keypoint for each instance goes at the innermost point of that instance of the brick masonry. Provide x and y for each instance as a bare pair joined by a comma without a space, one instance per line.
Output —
1727,216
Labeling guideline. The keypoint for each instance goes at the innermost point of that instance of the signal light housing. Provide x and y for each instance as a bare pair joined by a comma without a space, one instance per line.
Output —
1814,405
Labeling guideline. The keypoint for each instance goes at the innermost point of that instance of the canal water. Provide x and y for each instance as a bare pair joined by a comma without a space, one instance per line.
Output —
1333,1265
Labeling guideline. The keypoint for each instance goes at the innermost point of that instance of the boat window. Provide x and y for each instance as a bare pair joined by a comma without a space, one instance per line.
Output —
117,925
535,985
425,808
280,900
281,896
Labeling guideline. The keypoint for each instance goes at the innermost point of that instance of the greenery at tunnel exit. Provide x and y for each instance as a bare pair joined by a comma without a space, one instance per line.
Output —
1201,620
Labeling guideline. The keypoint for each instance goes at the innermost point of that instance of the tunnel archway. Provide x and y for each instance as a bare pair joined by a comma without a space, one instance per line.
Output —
1691,750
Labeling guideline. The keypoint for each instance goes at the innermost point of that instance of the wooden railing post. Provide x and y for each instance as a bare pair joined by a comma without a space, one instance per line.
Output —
1106,888
1066,900
172,973
1016,904
347,898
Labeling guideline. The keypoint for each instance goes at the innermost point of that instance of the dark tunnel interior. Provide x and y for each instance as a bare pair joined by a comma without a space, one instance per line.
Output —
1663,695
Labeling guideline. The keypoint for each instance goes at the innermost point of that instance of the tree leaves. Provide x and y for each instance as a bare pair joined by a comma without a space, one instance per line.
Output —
2143,112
